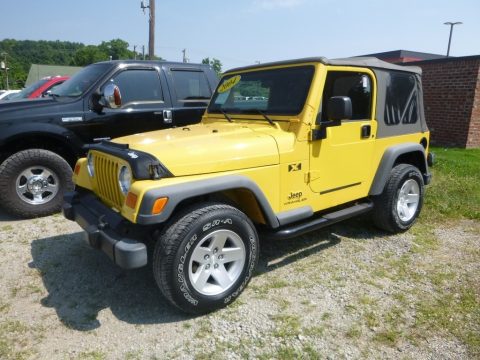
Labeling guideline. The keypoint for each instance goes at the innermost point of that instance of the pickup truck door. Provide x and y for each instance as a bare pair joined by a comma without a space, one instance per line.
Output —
145,106
191,91
341,164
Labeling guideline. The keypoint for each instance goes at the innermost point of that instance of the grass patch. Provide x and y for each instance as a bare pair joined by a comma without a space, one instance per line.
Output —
387,337
455,189
354,332
7,228
92,355
287,326
287,352
13,340
455,312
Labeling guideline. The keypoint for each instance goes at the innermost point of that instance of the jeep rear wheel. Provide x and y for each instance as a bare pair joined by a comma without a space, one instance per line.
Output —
33,182
400,203
206,257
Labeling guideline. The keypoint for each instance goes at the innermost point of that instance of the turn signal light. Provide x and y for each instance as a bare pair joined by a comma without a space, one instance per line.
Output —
131,200
159,205
77,169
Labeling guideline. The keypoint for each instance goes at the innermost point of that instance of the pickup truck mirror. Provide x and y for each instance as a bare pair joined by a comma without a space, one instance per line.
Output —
338,108
111,97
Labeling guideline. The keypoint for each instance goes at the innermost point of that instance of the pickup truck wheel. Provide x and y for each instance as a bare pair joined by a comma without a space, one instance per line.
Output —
33,182
397,208
205,257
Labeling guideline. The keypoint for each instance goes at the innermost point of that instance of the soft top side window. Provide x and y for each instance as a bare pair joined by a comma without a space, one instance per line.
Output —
356,85
401,102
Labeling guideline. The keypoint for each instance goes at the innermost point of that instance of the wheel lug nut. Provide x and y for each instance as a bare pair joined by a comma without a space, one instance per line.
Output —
215,266
220,257
207,266
215,250
206,257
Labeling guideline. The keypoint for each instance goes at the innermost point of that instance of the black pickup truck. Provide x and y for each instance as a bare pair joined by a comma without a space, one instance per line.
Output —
40,140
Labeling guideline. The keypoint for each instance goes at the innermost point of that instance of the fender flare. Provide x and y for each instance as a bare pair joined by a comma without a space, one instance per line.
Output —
388,161
184,191
17,132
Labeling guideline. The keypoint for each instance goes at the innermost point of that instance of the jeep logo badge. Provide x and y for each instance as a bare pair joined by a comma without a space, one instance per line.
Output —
132,154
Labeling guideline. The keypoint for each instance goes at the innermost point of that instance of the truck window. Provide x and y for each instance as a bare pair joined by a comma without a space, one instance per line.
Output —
139,86
357,86
191,86
401,99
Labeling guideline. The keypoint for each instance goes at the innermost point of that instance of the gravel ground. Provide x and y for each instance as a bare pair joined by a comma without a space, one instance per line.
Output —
349,291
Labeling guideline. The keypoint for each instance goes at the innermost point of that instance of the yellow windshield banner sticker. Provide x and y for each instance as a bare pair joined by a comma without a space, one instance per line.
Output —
228,84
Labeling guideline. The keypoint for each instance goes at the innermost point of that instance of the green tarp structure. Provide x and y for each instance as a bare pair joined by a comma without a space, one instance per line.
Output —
38,72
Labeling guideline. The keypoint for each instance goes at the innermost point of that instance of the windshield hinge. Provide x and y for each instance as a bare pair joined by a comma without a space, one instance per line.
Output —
307,177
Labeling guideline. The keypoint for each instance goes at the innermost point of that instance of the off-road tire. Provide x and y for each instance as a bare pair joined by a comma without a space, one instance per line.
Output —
385,213
179,240
13,166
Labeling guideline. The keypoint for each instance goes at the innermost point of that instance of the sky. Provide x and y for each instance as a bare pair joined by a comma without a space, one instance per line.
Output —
243,32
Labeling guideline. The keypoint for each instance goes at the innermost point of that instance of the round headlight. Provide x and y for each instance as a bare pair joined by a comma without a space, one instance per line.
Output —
90,164
124,179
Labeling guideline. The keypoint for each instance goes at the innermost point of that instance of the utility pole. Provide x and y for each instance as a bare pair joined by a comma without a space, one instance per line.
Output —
135,52
452,24
151,28
143,52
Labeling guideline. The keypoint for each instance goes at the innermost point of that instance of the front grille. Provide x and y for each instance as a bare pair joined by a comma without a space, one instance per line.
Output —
106,179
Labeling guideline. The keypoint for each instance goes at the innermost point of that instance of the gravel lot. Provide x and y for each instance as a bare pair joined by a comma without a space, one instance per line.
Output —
349,291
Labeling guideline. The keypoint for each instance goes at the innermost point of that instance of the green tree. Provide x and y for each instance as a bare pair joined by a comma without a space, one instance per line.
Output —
214,63
88,55
117,49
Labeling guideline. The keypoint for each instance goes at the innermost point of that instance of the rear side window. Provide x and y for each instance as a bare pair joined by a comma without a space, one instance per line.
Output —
357,86
139,86
401,102
191,86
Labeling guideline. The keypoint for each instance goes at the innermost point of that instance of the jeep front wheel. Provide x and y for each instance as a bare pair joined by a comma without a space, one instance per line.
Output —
205,258
399,205
33,182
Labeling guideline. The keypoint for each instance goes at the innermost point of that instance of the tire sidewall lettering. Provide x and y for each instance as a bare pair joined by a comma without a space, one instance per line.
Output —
203,229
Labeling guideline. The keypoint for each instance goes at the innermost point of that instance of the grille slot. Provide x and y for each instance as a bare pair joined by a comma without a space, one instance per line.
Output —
106,178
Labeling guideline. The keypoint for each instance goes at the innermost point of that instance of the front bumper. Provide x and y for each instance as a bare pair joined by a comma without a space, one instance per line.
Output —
104,229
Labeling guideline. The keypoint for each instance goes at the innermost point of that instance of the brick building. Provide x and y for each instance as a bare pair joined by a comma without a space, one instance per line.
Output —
451,91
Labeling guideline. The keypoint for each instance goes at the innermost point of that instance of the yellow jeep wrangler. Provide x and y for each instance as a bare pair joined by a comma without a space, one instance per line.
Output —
285,147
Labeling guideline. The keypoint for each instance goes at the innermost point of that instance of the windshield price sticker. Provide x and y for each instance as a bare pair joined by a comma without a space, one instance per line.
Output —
228,84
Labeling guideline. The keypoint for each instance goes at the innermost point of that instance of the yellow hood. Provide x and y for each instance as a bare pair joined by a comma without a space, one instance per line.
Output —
206,148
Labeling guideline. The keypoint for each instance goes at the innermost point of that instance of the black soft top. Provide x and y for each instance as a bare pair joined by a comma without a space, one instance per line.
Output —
369,62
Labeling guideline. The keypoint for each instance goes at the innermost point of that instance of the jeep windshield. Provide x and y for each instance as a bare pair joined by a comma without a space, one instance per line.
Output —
78,84
274,92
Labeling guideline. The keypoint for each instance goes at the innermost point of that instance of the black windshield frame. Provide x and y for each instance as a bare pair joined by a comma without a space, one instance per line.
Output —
287,89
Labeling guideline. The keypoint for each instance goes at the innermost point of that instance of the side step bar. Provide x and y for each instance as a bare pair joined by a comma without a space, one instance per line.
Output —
297,229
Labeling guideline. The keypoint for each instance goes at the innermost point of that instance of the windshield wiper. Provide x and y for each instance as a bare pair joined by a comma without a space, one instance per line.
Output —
270,121
226,115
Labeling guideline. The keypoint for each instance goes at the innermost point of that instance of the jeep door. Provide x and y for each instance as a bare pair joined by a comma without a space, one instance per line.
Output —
144,102
340,164
191,89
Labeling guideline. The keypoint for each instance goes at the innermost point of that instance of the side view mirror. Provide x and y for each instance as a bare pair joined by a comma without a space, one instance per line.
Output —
47,93
338,108
111,97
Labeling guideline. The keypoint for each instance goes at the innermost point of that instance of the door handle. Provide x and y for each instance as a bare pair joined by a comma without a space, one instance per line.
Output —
167,116
366,131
